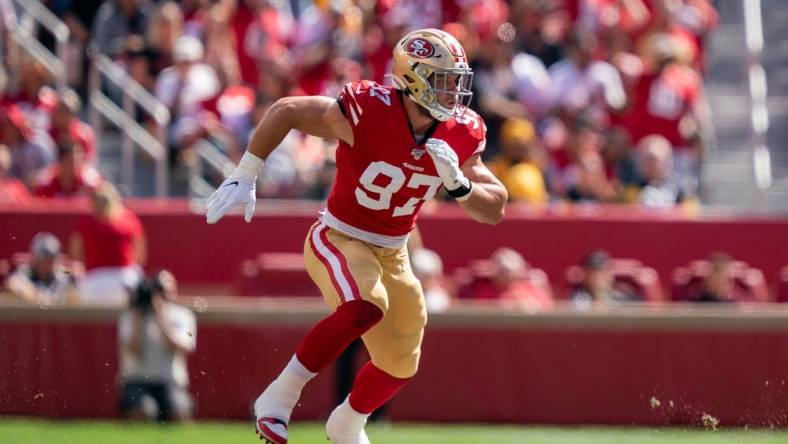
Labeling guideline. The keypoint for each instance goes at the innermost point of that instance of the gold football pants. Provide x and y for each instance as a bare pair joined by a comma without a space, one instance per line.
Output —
346,269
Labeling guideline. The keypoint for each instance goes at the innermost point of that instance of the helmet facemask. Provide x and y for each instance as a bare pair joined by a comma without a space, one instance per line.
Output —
447,91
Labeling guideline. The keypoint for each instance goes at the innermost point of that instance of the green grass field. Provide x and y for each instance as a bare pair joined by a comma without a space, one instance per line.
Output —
19,431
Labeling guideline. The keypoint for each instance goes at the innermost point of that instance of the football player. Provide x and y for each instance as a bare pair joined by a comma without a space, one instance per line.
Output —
397,146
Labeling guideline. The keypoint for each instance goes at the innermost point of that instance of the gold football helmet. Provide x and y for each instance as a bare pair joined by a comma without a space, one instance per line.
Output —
431,68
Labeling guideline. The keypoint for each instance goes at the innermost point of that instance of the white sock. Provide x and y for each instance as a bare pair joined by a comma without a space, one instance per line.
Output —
347,420
279,399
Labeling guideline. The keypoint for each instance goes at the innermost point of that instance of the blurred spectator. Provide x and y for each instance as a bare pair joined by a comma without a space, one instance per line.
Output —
220,50
584,176
141,62
521,160
619,157
665,100
71,176
43,280
155,336
65,124
507,281
584,85
656,187
183,86
29,157
7,24
719,284
165,28
540,29
117,20
12,190
111,244
497,86
428,268
597,285
78,15
33,97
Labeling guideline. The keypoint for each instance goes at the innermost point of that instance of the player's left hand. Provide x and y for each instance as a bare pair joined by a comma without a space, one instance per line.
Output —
447,164
233,192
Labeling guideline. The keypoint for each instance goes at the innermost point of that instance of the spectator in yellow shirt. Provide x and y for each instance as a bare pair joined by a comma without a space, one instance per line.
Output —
519,164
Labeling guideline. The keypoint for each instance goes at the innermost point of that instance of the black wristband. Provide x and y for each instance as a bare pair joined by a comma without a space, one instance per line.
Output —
460,192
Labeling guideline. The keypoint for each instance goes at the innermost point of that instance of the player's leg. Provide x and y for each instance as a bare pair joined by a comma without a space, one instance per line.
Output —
344,269
394,345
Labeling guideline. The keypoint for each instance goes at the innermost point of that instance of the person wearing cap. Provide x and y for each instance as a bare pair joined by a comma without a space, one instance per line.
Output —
597,285
184,86
43,280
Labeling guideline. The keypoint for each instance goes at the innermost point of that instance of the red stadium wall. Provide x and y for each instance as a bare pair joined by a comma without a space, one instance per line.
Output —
551,239
564,369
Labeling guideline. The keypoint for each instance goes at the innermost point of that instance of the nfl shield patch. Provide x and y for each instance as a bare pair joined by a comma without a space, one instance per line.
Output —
417,153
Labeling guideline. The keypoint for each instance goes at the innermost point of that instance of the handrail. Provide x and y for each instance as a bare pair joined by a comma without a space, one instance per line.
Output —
45,17
137,132
133,94
54,25
137,92
756,75
40,53
215,159
139,135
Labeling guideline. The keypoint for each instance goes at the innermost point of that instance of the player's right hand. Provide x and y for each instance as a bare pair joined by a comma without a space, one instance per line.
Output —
233,192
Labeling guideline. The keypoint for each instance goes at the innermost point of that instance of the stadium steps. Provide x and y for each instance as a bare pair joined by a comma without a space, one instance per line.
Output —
144,181
109,164
728,174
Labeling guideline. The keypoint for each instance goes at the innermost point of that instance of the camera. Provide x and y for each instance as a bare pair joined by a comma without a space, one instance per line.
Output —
145,292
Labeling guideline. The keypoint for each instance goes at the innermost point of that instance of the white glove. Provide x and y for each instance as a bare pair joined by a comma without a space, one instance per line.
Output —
448,166
238,189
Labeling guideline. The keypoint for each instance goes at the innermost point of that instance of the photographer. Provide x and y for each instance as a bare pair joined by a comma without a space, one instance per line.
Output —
155,335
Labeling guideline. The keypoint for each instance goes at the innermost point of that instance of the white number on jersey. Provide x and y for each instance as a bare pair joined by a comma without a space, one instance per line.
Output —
397,179
380,92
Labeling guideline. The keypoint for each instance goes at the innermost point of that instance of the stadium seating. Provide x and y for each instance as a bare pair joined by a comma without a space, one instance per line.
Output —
750,284
275,274
480,273
782,286
631,274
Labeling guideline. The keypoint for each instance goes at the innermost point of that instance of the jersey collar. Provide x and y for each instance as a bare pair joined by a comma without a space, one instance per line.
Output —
430,131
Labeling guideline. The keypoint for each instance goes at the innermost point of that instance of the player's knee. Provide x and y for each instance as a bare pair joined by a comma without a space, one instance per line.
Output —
362,315
406,367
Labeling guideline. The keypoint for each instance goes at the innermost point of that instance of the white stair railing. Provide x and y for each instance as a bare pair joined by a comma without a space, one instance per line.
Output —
33,14
103,69
756,76
211,156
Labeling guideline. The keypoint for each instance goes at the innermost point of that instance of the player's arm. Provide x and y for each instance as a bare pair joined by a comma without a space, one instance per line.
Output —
315,115
476,189
487,197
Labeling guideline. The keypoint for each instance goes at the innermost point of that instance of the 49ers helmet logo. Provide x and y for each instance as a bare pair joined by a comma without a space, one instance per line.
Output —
419,48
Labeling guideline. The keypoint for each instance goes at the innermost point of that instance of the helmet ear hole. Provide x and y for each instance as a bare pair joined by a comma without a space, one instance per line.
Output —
409,78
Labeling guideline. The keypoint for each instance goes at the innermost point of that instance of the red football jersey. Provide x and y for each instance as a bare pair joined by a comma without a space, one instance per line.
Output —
385,177
660,102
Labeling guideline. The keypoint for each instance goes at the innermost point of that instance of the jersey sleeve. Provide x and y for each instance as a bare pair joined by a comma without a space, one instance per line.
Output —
471,135
352,102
